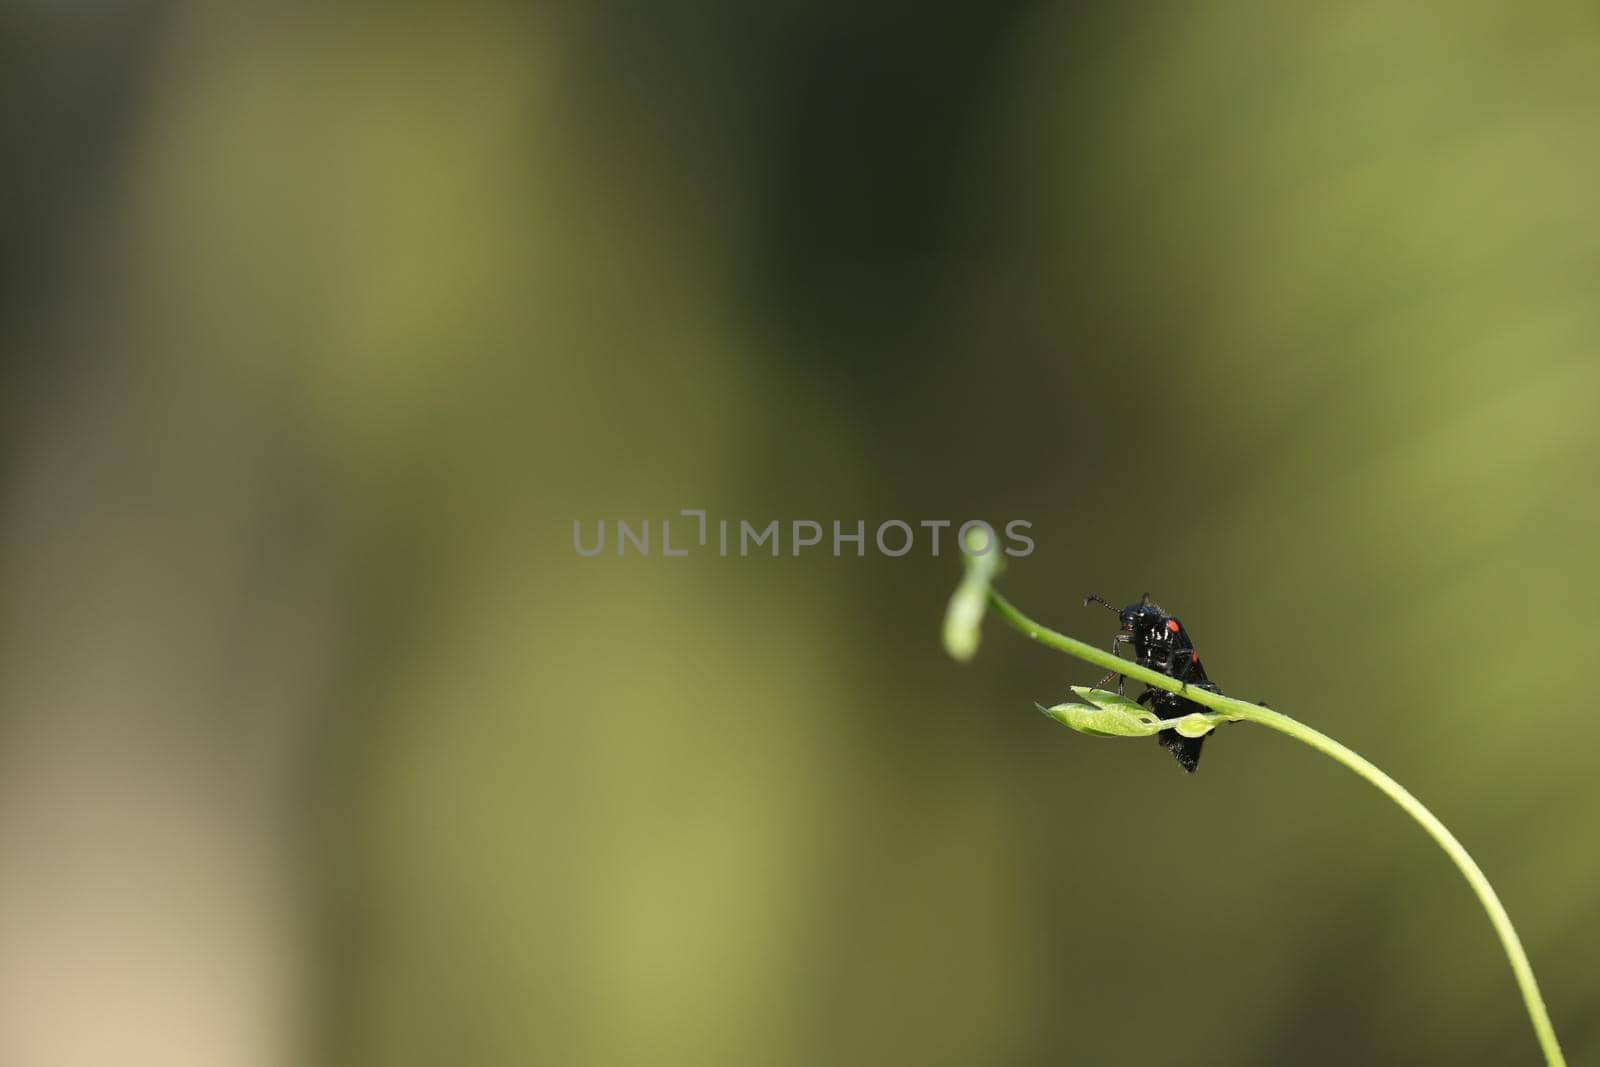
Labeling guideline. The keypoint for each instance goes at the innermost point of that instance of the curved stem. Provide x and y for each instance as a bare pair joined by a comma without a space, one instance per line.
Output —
1243,711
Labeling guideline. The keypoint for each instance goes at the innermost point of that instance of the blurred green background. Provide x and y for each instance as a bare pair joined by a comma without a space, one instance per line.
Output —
321,324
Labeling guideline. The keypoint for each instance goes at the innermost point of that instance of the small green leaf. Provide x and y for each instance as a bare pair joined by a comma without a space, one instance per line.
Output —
1113,721
1103,698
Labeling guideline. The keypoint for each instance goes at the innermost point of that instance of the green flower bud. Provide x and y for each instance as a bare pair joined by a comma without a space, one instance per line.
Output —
1195,725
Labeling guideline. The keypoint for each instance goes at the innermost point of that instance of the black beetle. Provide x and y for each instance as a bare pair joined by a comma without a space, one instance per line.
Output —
1162,644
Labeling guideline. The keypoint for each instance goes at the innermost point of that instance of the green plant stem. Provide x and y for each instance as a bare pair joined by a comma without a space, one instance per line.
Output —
1239,710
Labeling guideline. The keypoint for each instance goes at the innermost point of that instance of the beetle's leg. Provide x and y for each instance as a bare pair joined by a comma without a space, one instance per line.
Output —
1105,680
1117,639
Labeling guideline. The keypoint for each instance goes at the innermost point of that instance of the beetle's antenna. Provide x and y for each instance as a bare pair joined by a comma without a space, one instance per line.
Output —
1096,598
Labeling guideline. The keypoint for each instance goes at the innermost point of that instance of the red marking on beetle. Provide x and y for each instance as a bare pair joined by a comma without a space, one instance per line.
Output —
1172,624
1194,657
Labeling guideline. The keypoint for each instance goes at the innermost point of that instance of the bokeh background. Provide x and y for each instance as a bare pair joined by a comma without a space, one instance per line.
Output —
322,323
